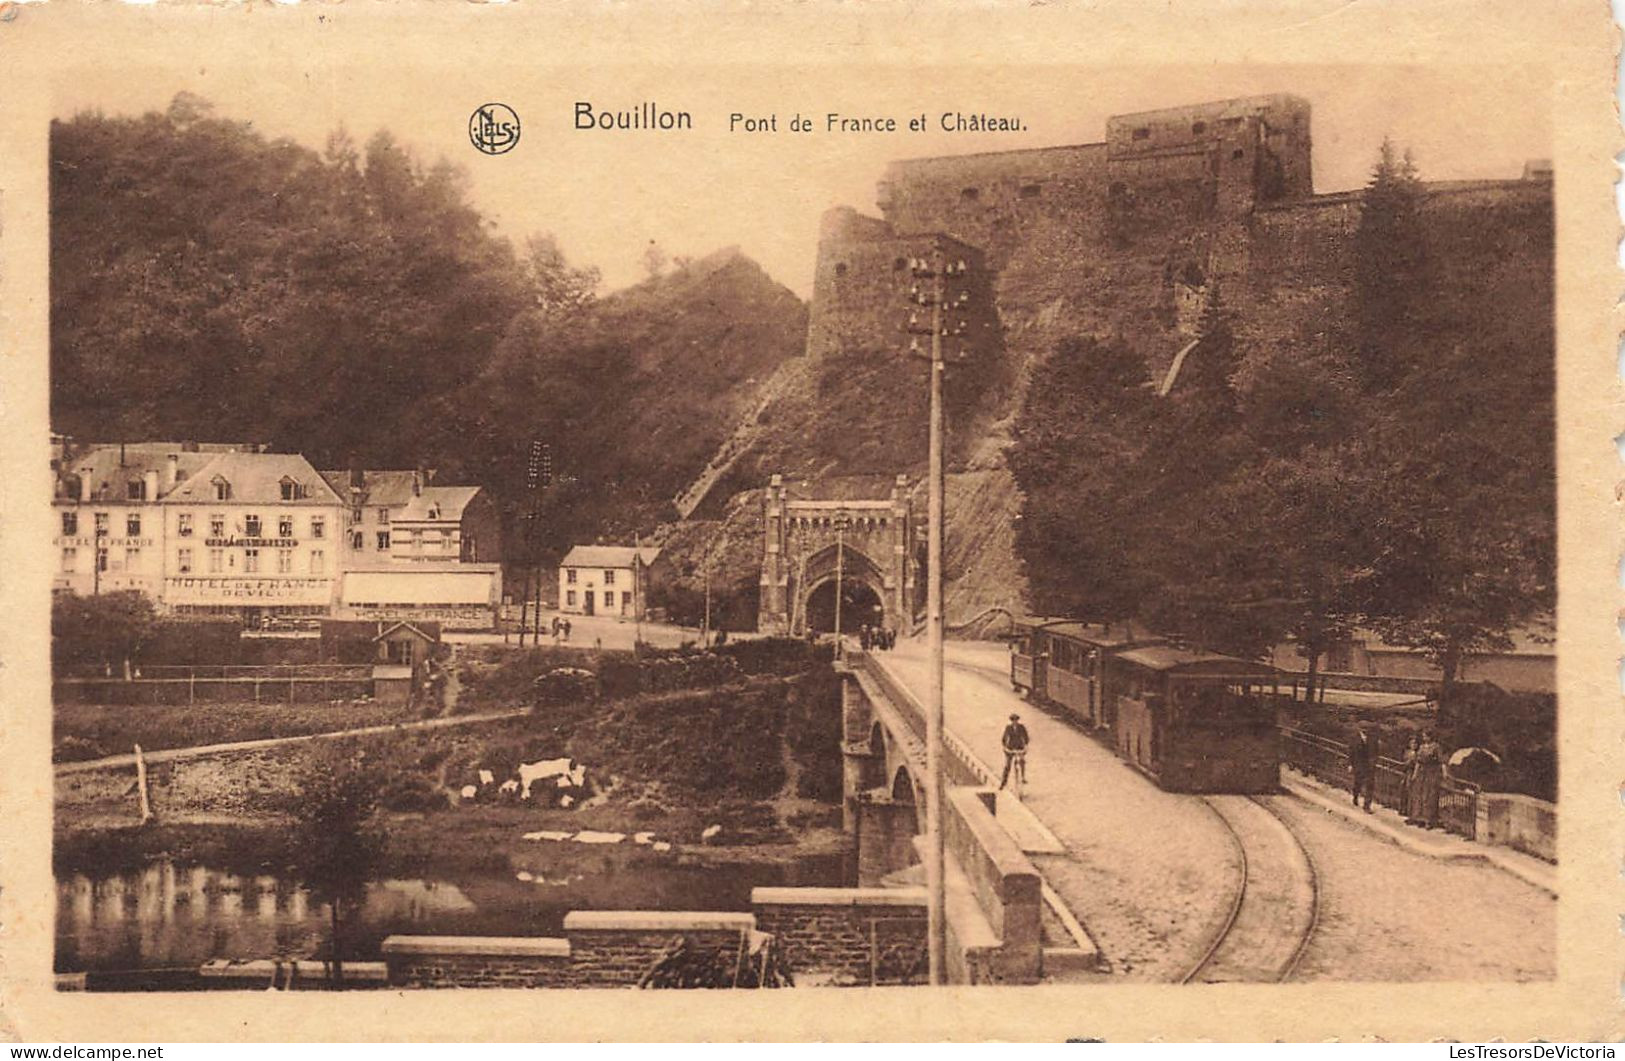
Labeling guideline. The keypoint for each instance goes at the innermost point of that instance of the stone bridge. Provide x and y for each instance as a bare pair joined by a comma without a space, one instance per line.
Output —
814,549
994,893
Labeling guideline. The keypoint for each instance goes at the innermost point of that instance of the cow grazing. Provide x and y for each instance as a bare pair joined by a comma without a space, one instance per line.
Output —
544,770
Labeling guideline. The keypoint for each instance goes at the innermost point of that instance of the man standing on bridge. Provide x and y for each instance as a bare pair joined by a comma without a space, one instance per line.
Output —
1015,741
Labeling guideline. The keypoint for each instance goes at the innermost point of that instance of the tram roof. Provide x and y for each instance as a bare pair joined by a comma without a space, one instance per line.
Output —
1168,658
1108,635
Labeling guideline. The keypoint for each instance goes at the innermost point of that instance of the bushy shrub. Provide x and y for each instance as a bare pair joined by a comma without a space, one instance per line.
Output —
410,792
566,685
776,655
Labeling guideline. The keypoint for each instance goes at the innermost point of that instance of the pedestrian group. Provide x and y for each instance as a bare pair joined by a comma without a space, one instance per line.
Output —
1421,781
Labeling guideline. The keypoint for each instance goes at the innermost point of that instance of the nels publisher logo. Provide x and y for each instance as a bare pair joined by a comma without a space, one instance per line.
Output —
494,128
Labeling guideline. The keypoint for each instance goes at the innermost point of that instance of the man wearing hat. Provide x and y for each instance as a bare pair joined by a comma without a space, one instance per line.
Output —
1015,750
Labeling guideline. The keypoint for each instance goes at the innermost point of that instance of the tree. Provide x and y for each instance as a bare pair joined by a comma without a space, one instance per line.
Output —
338,847
107,630
1390,267
1086,420
558,287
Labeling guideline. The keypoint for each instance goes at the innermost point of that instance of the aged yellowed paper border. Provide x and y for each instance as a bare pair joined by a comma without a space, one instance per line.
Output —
323,49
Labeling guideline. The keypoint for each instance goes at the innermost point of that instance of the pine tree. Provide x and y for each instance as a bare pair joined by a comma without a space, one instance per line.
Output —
1390,267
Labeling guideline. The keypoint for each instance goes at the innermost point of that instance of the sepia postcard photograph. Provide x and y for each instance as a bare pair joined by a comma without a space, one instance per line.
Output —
1060,540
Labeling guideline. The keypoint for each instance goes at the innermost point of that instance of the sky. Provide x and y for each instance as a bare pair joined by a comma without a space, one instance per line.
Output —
605,195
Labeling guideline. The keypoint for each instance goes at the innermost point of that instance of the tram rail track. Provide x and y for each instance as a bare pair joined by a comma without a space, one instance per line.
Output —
1276,909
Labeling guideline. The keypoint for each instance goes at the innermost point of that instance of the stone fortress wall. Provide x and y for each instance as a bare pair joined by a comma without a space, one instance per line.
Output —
1171,201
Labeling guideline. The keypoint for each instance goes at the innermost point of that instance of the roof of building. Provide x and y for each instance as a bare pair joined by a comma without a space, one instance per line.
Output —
378,487
609,556
110,471
422,585
402,626
445,503
1170,658
256,478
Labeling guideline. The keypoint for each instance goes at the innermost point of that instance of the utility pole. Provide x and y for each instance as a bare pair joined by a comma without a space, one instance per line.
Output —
538,474
842,522
930,290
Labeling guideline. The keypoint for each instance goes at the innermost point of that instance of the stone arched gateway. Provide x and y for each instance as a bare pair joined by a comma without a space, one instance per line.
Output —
806,541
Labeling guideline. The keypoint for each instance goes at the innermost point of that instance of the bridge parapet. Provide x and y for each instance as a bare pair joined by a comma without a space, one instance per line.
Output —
995,921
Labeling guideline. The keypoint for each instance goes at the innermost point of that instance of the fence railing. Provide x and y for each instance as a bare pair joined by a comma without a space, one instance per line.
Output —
1327,760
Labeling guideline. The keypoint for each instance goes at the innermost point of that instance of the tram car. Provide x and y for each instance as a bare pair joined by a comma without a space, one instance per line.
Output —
1193,721
1196,721
1062,662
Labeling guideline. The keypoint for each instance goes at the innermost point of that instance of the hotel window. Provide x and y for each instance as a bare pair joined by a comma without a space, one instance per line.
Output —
383,541
132,525
609,598
318,562
101,524
101,559
358,540
290,490
251,560
570,575
132,557
135,490
570,597
284,527
222,489
183,524
609,578
217,525
70,558
183,561
318,527
383,516
284,561
355,515
217,561
251,526
70,523
626,598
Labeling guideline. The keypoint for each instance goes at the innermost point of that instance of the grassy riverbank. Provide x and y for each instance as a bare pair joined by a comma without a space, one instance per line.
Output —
759,757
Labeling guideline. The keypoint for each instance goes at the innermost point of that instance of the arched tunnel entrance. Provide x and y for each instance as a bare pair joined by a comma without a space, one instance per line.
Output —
859,604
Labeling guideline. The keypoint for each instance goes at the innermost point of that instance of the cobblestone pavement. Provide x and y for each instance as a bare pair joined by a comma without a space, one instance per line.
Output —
1151,874
1389,914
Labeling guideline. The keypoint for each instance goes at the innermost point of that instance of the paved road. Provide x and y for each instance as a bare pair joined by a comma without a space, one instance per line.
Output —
589,631
1151,873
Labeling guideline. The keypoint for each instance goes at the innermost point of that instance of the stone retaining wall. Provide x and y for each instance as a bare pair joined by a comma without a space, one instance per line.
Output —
847,936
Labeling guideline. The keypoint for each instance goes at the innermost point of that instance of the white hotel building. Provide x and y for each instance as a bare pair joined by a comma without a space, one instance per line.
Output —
228,531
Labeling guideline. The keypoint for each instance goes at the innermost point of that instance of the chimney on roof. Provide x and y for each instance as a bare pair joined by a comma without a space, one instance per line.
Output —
358,478
172,466
121,454
149,483
189,446
417,481
84,483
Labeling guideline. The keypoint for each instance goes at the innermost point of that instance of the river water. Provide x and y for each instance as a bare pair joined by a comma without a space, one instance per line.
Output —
169,916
